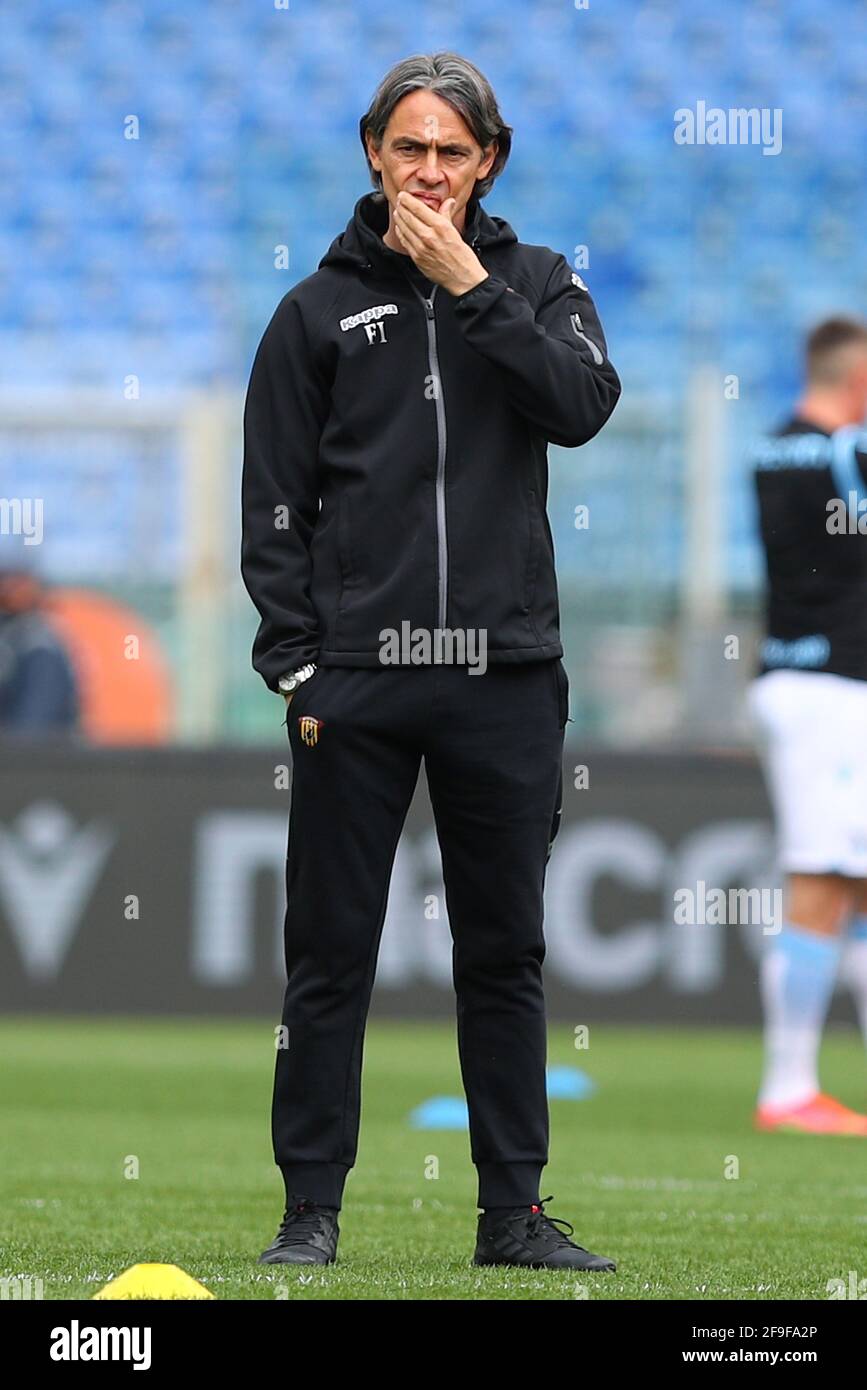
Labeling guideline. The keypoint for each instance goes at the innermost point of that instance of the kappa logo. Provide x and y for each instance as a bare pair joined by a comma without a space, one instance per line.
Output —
309,728
576,280
371,321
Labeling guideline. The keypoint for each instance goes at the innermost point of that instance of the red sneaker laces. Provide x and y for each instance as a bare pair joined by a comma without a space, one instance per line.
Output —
538,1215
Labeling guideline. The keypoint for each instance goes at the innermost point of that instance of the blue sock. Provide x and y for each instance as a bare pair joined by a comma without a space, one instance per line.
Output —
855,966
798,972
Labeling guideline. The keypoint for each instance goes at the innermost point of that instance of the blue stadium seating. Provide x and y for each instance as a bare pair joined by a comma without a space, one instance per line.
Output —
158,251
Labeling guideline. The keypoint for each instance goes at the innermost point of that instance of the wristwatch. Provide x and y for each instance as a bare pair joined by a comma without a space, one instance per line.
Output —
291,681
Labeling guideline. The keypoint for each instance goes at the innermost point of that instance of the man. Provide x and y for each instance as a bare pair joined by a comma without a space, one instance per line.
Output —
395,479
810,703
38,688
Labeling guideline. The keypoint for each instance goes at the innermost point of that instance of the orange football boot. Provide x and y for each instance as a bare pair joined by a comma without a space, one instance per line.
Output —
820,1115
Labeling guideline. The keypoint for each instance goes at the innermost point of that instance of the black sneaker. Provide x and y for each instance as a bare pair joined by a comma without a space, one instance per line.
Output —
526,1236
307,1236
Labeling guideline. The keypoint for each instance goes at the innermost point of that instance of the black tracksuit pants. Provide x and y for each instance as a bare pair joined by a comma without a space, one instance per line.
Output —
492,745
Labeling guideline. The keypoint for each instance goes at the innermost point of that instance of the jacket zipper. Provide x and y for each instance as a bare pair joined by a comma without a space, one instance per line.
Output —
433,364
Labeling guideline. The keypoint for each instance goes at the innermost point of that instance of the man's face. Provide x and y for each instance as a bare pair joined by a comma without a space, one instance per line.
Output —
427,150
18,592
857,383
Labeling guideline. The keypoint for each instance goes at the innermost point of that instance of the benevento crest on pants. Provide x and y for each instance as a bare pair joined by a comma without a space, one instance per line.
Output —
309,729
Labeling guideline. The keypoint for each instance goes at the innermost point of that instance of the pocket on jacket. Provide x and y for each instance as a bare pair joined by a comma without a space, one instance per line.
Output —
562,692
344,548
533,549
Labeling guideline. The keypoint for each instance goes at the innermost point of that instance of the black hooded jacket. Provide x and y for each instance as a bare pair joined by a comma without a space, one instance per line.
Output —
395,448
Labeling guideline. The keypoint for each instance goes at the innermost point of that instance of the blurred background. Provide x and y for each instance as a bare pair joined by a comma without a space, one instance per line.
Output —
155,158
169,172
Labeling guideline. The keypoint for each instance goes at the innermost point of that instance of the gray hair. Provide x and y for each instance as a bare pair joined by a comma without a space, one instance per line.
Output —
454,79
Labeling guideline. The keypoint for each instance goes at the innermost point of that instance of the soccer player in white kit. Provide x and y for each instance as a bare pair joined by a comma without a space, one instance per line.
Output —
810,706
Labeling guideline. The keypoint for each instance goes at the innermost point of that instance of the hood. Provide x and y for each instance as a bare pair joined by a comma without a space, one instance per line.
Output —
361,244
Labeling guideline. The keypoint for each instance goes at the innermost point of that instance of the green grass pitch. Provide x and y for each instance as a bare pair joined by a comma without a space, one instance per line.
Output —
639,1169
